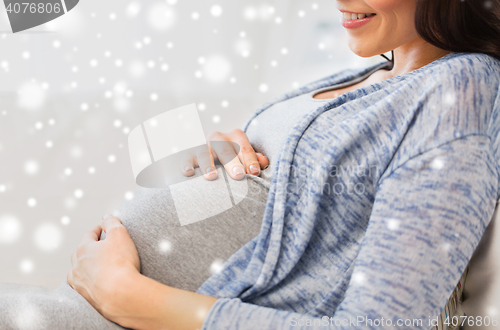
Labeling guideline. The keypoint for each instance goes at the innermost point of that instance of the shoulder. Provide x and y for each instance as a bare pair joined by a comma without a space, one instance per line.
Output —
471,63
478,64
459,91
453,97
473,71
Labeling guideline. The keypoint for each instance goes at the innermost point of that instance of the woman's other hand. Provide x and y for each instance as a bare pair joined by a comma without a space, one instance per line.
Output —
232,149
103,268
106,273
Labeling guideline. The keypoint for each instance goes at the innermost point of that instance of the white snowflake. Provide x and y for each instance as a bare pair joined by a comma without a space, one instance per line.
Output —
133,9
165,246
26,266
48,237
217,68
65,220
358,278
437,163
10,229
161,17
216,10
31,167
393,224
78,193
216,266
31,96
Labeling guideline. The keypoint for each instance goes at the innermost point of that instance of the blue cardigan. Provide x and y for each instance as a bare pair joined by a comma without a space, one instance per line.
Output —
379,199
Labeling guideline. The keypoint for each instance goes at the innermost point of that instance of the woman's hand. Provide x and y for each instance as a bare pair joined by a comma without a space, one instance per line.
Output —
104,268
232,149
106,273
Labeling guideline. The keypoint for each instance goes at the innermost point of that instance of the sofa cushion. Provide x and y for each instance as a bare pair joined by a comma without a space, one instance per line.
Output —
481,296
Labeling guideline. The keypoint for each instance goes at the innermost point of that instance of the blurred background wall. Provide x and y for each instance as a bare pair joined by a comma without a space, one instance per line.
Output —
71,90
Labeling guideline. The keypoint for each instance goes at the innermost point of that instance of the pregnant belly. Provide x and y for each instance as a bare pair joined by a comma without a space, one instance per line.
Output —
185,256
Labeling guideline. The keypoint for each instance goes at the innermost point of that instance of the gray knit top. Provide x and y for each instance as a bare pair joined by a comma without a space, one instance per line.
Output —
378,199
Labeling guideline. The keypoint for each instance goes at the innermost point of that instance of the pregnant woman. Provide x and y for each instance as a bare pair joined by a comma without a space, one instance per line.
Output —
380,184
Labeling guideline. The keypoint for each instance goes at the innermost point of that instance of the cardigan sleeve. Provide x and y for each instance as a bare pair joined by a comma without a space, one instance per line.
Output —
428,216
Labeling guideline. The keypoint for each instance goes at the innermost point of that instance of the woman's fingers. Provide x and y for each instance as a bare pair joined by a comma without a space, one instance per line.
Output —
227,156
263,161
92,235
110,222
188,163
232,149
246,152
205,161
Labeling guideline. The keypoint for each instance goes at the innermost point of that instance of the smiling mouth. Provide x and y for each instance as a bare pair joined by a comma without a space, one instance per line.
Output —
353,16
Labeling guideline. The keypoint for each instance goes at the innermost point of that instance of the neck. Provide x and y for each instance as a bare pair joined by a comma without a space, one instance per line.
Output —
414,55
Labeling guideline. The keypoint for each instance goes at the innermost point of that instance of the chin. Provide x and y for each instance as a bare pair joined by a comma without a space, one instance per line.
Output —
362,49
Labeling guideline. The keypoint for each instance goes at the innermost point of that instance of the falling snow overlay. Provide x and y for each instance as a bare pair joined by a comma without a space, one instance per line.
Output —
72,89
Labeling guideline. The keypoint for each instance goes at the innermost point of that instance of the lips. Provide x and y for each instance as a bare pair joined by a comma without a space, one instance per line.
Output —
351,20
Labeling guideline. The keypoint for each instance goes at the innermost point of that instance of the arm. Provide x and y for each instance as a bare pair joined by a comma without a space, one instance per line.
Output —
428,216
147,304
